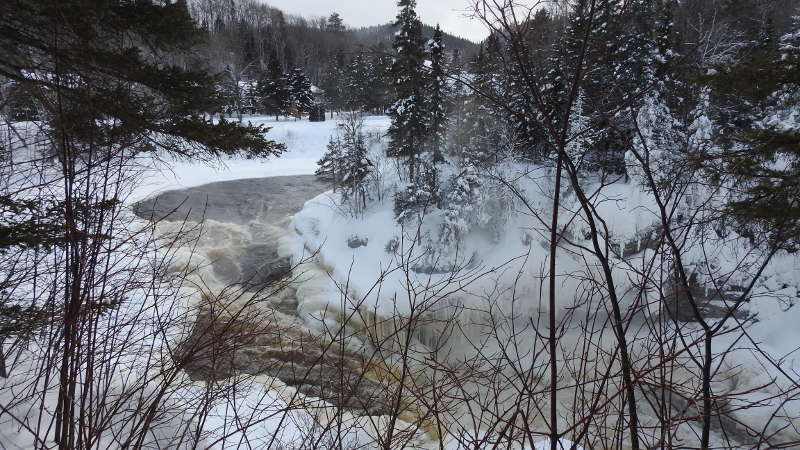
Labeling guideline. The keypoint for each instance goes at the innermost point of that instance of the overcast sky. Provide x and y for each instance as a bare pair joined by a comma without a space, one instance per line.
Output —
357,13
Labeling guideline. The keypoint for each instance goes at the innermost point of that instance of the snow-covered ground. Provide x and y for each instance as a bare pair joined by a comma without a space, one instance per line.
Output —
762,363
305,143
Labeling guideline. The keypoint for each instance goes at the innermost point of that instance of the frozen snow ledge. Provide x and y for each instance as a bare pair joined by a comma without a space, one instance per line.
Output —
375,276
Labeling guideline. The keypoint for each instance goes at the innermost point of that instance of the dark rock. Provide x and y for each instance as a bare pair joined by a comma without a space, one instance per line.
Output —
648,239
357,241
711,303
261,265
218,349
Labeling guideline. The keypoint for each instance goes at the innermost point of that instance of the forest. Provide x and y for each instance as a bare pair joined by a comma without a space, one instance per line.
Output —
225,226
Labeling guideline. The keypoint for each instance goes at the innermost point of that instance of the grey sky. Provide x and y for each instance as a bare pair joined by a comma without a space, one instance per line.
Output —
357,13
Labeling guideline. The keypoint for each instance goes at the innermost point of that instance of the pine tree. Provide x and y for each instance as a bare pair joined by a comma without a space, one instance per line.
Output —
330,165
461,203
407,131
333,82
379,79
763,147
355,167
476,135
438,98
357,83
346,163
300,90
579,134
335,23
419,196
272,89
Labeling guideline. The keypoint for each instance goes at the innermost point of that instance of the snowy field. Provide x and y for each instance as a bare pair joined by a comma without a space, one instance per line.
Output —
305,143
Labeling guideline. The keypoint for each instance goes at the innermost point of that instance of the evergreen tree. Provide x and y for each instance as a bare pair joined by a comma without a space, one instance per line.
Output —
357,83
333,82
438,97
419,196
346,163
461,205
476,136
763,147
330,166
379,79
407,131
335,23
355,167
272,90
579,134
300,90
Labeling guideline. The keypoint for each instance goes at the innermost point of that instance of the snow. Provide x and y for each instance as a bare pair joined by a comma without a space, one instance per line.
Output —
264,402
320,226
372,273
374,278
305,142
563,444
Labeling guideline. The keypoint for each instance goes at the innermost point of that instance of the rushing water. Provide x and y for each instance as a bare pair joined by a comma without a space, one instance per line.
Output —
243,224
244,221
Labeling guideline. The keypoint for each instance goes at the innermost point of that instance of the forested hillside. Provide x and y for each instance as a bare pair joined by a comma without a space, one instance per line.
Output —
247,40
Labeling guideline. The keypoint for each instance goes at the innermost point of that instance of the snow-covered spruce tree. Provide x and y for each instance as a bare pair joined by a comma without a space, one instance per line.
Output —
365,81
347,164
330,164
333,81
581,134
411,116
379,93
461,205
272,89
437,97
418,197
482,117
527,121
357,82
458,95
762,145
300,90
408,112
660,142
355,164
